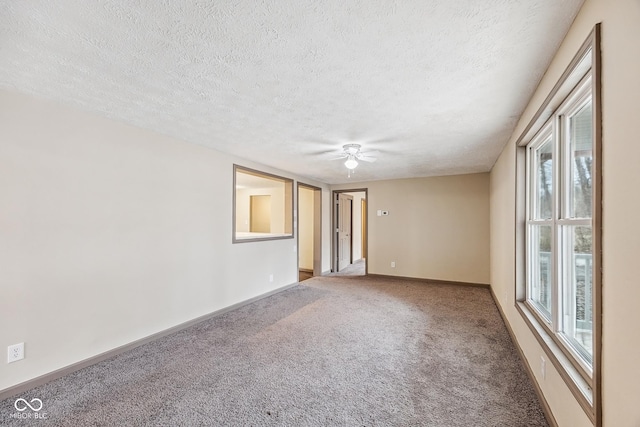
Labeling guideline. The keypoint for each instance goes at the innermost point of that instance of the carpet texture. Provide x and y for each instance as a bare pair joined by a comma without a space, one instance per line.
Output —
358,268
343,351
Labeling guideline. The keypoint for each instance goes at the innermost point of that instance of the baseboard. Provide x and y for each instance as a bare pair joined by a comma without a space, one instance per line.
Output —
434,281
545,405
305,270
43,379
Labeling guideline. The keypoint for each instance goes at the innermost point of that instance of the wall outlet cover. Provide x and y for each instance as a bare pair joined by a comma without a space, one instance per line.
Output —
15,352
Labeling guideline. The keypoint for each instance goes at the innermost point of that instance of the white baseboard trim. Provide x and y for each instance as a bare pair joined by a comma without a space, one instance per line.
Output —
43,379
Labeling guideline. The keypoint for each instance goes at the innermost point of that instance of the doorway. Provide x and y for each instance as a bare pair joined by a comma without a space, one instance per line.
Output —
309,233
350,243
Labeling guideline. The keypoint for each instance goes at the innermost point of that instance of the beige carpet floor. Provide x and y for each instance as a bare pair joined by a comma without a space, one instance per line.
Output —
335,351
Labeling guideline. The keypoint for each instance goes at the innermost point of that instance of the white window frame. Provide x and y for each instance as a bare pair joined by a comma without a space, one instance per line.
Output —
576,101
556,129
540,139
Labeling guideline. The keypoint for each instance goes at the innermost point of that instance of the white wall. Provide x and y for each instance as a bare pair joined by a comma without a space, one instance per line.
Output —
110,233
437,228
621,228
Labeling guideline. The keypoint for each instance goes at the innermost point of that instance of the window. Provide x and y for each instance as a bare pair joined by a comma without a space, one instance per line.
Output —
540,223
559,222
558,234
263,206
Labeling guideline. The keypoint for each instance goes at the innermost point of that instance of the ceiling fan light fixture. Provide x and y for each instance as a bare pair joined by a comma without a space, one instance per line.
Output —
351,163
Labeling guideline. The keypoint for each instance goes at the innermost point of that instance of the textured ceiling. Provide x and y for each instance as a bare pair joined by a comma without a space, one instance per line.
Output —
436,86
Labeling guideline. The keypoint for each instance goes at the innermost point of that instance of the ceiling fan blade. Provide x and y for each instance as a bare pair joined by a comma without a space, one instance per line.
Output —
367,159
373,153
322,152
342,156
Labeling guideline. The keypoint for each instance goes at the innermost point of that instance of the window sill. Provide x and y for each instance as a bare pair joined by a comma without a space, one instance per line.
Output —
571,376
242,237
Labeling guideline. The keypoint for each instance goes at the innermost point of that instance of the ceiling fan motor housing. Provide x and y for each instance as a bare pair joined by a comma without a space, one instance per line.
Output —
351,149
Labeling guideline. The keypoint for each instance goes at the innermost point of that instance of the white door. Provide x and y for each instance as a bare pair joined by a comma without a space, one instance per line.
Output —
344,230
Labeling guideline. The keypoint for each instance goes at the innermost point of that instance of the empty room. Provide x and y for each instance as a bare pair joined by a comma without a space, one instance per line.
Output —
319,213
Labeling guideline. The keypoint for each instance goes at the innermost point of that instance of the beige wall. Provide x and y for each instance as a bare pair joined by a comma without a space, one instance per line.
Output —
621,245
326,231
437,228
305,227
278,207
110,233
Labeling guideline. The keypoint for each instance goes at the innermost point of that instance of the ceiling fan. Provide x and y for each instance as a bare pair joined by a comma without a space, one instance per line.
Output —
352,153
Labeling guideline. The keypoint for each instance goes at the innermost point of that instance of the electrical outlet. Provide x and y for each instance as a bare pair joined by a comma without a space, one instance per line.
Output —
393,264
270,278
15,352
543,367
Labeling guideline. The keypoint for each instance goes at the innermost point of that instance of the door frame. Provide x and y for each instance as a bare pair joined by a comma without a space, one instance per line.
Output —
317,227
334,227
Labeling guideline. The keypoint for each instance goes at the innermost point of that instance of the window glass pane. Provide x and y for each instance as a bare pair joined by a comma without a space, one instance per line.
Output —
540,267
577,316
581,146
544,180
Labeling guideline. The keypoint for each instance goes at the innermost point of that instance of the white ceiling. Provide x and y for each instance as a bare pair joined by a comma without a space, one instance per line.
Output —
435,85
